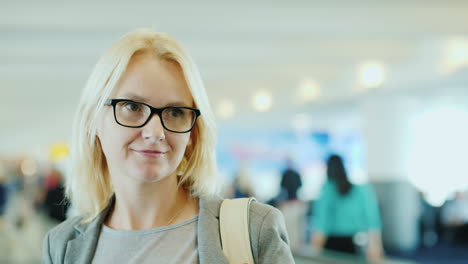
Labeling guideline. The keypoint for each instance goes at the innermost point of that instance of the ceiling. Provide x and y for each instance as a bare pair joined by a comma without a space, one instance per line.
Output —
48,48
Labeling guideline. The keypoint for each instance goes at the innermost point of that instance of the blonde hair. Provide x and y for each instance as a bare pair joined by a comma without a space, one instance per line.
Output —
88,186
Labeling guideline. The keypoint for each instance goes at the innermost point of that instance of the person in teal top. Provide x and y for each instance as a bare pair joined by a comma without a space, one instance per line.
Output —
343,210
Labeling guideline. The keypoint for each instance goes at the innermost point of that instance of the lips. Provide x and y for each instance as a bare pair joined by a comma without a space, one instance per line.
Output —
150,153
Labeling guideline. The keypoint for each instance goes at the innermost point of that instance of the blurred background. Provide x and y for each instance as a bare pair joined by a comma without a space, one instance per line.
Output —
383,84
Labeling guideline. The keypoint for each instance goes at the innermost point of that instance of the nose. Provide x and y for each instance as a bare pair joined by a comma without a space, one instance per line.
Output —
154,130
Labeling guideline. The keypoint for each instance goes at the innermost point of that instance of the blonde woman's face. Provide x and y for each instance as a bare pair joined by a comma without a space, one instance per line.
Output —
149,153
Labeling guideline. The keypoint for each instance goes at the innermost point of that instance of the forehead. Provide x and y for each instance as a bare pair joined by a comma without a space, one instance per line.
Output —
153,80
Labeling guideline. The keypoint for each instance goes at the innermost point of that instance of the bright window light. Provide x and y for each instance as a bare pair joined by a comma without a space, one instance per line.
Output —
438,151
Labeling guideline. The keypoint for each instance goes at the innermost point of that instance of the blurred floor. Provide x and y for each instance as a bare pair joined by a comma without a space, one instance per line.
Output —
22,242
439,254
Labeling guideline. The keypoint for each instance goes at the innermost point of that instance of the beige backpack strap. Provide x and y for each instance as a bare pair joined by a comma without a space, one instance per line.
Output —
234,229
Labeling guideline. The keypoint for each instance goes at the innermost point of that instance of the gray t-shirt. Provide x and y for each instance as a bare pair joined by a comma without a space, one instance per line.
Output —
175,243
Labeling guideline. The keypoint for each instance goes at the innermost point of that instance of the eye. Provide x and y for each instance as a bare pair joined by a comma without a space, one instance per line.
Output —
176,112
133,106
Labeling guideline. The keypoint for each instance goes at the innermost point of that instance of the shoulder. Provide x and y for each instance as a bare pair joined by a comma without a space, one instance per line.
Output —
363,189
56,239
363,192
261,214
328,185
328,188
268,235
266,224
267,231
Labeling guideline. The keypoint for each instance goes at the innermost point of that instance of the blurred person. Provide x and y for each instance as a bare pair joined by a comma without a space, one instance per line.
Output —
293,209
3,196
290,181
455,218
344,210
143,179
455,212
242,185
17,208
428,223
55,202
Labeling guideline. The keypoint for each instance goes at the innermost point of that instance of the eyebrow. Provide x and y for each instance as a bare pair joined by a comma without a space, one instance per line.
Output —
134,97
140,99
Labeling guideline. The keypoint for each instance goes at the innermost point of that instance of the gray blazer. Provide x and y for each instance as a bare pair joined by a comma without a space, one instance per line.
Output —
72,242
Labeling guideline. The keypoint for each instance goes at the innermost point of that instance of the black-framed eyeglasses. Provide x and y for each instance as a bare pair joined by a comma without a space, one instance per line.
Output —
129,113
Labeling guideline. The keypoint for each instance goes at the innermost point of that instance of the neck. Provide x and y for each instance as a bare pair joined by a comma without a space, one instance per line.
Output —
149,205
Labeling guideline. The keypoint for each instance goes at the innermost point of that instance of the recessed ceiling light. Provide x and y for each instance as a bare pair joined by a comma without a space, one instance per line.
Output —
456,55
262,100
308,91
371,74
225,109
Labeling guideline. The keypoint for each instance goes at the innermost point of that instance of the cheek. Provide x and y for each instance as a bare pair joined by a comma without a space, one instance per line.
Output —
115,139
180,142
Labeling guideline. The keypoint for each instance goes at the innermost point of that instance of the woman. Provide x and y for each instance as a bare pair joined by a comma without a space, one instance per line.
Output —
143,166
343,210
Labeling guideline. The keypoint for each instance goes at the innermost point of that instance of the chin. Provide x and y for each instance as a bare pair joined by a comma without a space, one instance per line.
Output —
149,178
151,174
